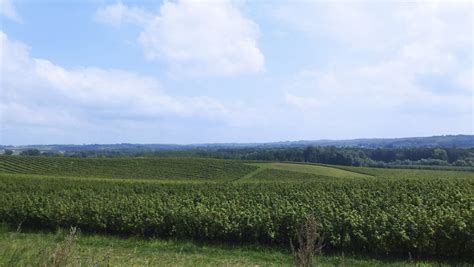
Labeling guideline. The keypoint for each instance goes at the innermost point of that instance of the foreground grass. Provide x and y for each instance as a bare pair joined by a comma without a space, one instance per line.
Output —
63,249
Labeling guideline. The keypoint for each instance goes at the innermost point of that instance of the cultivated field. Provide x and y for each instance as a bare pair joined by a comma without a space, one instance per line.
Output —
379,212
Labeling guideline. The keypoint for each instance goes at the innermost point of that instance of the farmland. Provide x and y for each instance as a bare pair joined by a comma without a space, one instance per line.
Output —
367,211
128,168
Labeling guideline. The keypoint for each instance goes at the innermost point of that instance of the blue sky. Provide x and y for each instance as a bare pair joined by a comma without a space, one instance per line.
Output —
233,71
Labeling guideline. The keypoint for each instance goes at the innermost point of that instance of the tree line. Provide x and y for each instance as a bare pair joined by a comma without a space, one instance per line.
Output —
348,156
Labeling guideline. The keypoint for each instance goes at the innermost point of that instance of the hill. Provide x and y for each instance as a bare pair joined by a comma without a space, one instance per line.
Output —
442,141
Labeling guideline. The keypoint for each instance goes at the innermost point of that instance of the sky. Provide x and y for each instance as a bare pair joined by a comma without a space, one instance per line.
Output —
96,71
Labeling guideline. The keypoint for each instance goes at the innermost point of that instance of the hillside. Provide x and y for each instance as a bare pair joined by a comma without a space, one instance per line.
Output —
127,168
443,141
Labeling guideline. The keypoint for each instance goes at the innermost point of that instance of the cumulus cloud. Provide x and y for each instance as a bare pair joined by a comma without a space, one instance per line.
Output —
388,49
380,26
380,88
402,42
465,80
8,10
194,38
303,102
118,14
39,92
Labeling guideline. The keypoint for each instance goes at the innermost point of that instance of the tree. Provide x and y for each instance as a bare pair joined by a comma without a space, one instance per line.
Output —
440,154
310,154
460,162
31,152
8,152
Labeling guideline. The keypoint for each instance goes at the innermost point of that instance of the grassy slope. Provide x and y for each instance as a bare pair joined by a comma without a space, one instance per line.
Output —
269,175
312,169
294,172
35,249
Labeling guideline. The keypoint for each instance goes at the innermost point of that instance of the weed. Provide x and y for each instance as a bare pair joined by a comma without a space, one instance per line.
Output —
309,242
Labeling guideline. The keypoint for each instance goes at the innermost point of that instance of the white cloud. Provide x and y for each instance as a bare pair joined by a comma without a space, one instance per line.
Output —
374,87
195,38
8,10
21,114
369,102
379,89
465,80
39,92
381,26
118,14
303,102
404,42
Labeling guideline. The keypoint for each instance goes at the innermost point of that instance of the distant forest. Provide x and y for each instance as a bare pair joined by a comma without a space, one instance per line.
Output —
434,151
348,156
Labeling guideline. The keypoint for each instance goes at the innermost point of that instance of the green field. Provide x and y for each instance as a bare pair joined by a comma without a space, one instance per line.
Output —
364,211
128,168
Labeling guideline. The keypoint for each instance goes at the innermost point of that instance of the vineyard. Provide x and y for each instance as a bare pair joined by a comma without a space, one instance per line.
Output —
128,168
373,211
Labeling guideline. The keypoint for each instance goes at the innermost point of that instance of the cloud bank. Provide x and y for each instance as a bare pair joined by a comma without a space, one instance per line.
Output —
390,52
